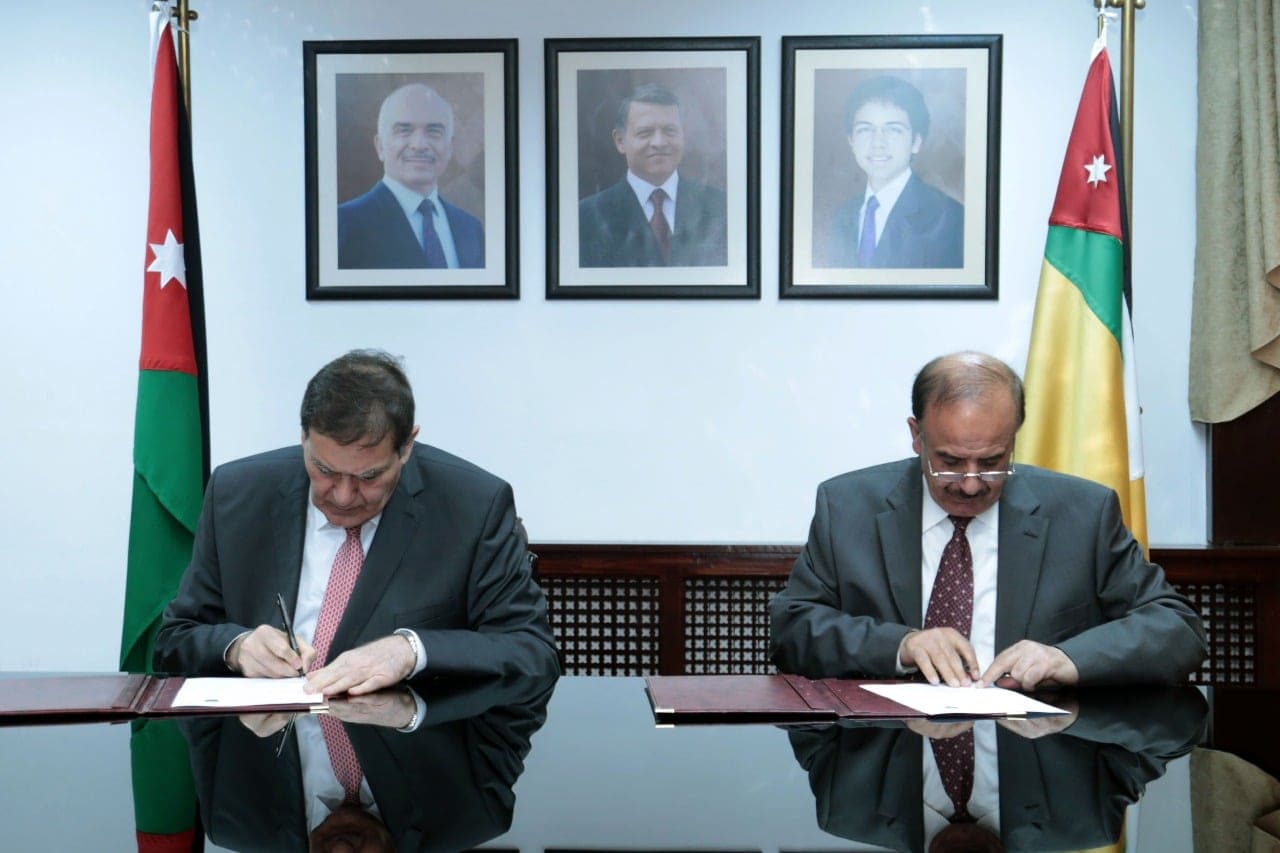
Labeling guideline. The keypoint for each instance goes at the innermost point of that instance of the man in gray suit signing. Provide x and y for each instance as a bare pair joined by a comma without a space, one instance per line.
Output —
954,564
395,558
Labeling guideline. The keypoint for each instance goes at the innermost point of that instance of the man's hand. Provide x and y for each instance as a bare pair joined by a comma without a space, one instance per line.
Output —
936,730
1028,665
264,653
941,654
391,708
1037,727
365,669
265,725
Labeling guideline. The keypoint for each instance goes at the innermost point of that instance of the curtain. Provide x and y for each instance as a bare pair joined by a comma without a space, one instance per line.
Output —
1235,314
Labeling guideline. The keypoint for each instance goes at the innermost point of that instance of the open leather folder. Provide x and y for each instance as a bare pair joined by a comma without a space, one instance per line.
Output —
794,698
28,700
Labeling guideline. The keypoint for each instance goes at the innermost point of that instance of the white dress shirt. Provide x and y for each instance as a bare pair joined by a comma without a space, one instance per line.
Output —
644,192
409,201
887,196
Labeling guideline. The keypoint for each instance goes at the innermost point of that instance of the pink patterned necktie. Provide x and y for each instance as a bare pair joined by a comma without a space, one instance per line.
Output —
342,580
951,606
658,222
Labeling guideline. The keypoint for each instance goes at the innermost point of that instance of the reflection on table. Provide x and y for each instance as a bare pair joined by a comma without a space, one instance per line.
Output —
1053,783
447,785
600,776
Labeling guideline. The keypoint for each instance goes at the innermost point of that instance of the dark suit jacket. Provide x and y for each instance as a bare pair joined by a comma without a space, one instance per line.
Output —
448,560
374,234
1069,574
925,229
446,786
1066,791
613,230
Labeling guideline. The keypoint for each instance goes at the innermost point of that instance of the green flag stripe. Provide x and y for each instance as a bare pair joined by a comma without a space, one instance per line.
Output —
164,800
1093,262
167,442
159,550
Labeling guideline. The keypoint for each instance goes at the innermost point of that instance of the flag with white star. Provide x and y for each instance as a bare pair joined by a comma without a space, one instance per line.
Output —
170,450
1081,382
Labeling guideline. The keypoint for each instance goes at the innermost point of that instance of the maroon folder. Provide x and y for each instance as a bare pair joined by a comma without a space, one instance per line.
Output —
766,699
29,700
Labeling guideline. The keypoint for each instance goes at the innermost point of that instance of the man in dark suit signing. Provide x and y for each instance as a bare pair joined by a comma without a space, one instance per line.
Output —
654,216
1030,577
395,558
898,220
402,222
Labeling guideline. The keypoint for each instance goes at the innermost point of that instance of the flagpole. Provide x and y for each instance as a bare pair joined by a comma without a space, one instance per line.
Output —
185,16
1128,15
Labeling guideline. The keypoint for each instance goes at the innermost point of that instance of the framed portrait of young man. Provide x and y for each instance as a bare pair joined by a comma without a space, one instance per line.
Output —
653,168
411,188
890,166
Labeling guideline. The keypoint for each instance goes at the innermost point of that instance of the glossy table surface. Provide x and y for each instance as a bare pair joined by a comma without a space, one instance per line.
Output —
597,774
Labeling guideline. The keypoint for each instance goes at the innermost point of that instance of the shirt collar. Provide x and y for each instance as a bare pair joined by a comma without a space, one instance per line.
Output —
888,194
316,521
643,189
410,199
932,515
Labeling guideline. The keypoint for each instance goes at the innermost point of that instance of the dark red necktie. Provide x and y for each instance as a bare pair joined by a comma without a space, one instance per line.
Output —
342,580
951,606
658,222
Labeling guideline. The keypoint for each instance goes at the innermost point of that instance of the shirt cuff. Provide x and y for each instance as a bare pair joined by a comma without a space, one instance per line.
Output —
419,653
227,651
419,711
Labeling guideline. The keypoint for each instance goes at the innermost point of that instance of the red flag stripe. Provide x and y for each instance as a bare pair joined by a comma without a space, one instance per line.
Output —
166,313
1092,205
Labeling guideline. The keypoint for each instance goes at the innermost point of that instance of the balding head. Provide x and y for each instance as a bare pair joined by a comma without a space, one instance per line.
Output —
964,376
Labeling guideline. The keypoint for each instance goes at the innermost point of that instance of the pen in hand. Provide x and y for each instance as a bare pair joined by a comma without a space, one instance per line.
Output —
287,624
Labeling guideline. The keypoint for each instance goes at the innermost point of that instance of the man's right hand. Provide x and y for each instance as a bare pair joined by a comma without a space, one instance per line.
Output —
941,654
264,653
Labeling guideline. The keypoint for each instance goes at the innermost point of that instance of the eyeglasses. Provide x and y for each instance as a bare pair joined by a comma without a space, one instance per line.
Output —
960,476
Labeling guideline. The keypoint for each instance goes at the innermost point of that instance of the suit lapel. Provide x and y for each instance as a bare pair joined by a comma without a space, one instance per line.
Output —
898,227
400,518
899,528
1018,561
289,522
1023,811
900,799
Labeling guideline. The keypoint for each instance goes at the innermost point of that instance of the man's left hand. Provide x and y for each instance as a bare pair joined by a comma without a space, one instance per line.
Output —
390,708
365,669
1028,665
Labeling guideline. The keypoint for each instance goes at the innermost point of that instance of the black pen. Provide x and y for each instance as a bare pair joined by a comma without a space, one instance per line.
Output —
288,628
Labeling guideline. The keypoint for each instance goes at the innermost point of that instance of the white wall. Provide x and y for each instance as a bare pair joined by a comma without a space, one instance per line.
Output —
662,421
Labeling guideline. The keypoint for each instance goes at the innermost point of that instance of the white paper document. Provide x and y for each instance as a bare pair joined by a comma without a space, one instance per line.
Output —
939,700
244,692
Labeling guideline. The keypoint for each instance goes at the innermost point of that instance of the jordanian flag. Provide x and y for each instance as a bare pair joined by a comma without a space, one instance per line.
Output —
170,456
1082,396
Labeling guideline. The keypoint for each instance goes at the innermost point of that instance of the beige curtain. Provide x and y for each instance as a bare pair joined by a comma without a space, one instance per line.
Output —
1235,312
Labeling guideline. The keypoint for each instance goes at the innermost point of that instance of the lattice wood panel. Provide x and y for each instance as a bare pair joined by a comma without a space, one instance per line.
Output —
726,624
1230,622
604,625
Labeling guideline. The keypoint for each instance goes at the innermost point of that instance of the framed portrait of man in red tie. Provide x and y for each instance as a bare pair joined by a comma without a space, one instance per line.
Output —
652,168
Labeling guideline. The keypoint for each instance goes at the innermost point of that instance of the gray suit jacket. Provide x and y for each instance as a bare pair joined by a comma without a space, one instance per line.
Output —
613,231
448,561
1067,791
1069,574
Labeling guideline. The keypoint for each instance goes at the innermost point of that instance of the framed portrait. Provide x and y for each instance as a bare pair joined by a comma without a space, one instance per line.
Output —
411,153
890,166
653,168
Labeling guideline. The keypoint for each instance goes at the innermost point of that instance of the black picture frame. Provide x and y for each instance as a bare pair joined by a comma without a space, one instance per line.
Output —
717,83
344,85
948,246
